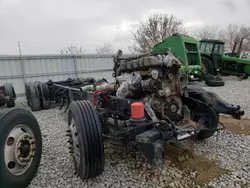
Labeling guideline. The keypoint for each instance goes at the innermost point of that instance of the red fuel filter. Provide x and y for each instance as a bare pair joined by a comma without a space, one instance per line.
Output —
137,110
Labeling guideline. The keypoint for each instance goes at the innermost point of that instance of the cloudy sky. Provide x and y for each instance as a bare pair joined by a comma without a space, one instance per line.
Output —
46,26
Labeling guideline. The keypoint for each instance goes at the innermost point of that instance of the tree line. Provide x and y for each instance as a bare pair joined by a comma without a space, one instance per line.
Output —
159,26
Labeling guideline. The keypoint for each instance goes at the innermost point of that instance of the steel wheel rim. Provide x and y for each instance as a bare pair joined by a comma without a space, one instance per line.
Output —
75,148
19,149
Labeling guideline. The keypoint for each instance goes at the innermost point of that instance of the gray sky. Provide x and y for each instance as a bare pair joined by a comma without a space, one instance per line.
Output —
46,26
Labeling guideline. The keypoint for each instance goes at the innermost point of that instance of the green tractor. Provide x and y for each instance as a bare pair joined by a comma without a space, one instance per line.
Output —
216,62
187,50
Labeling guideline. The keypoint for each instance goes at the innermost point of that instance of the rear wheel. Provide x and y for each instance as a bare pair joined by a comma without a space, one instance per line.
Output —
34,97
27,93
10,92
44,95
207,66
85,139
20,148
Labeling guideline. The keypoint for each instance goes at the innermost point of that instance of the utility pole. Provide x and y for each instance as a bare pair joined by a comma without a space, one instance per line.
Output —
22,64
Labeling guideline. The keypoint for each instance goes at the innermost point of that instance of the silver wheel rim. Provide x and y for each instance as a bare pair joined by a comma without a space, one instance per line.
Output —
19,149
75,149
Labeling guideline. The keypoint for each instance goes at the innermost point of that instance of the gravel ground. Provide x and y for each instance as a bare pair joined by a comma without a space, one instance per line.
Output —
123,168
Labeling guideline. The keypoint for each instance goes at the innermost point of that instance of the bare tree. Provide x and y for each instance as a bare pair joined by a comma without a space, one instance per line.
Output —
234,33
205,32
154,30
73,50
104,49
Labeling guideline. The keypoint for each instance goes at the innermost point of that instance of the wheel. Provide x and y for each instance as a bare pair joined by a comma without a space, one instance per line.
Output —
44,95
20,148
85,138
207,66
208,120
27,93
34,97
215,82
10,92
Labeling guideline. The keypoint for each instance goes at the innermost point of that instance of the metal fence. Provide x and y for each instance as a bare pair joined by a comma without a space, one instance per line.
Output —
31,68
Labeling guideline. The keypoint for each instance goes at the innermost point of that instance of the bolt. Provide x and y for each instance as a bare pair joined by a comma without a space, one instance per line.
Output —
26,136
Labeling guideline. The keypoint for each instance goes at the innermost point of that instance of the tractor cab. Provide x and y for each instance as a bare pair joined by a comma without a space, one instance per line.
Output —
210,47
211,52
186,49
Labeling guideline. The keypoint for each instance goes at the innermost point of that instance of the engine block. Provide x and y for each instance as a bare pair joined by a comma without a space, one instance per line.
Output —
156,80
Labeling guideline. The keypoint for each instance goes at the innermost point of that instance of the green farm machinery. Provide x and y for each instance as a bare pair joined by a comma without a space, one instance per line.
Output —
217,62
186,49
205,59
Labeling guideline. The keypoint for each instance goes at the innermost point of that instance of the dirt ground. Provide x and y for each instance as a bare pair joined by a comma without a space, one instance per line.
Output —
236,126
204,169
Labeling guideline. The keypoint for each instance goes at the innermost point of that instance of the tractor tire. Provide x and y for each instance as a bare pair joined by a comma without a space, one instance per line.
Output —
85,138
215,83
208,66
27,93
20,135
44,95
34,97
9,91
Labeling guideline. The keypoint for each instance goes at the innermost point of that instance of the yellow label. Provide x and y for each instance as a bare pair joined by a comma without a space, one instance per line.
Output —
182,67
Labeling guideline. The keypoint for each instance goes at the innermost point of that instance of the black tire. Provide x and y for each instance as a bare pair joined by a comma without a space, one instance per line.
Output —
203,135
27,93
215,83
9,91
9,120
208,66
89,137
44,95
34,97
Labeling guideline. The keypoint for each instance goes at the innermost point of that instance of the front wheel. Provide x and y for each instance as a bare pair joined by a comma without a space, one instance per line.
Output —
20,148
85,139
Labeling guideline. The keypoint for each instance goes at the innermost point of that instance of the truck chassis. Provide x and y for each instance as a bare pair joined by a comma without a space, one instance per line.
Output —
120,114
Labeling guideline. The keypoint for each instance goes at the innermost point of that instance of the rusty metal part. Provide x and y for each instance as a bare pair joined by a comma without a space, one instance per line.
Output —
107,86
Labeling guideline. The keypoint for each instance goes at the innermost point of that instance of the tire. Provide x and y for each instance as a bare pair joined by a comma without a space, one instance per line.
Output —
215,83
9,91
208,66
85,131
203,135
27,93
34,97
44,95
19,121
